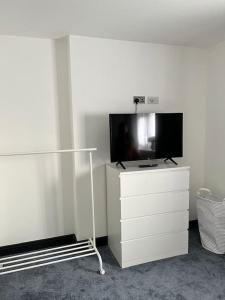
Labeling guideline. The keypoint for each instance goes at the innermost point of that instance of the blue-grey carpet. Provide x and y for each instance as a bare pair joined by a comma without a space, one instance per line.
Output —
198,275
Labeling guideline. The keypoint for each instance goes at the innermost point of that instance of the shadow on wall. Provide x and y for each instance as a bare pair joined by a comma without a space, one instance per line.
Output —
49,189
95,133
65,136
83,194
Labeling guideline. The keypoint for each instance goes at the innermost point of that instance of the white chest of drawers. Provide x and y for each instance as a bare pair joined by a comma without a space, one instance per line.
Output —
147,213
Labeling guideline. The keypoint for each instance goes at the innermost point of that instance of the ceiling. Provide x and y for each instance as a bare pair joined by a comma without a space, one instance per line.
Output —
179,22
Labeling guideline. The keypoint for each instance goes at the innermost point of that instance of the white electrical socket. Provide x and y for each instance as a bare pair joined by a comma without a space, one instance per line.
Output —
153,100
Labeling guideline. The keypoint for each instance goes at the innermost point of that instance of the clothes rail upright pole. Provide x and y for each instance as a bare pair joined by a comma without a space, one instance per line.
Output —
93,241
34,259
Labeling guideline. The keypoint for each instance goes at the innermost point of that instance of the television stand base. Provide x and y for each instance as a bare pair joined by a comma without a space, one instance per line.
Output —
173,161
121,164
148,166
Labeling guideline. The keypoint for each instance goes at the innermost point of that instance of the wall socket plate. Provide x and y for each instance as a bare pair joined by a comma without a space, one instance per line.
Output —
140,99
153,100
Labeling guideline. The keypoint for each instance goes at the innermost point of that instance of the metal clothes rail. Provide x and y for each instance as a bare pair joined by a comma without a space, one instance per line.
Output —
34,259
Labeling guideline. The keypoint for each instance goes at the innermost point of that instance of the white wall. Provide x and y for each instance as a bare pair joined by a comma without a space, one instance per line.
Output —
215,141
55,94
105,75
31,204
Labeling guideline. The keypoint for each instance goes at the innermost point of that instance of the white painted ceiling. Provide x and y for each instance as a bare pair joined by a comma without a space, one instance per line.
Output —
180,22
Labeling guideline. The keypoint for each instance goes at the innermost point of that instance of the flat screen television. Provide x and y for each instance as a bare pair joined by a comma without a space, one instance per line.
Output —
145,136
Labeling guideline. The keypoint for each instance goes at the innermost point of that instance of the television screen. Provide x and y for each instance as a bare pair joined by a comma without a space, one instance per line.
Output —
145,136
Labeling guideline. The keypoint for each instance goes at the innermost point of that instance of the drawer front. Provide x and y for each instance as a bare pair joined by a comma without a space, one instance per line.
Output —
139,206
154,248
156,224
154,182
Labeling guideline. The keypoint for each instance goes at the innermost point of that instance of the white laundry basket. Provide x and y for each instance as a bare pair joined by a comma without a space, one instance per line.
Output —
211,221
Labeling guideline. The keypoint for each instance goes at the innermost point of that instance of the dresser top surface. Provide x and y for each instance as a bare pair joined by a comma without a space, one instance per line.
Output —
159,167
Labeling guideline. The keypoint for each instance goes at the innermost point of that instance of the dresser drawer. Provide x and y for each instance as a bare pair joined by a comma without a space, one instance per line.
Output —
139,206
153,248
142,183
155,224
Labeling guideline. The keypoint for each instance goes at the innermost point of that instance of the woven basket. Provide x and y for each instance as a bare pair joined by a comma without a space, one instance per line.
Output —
211,220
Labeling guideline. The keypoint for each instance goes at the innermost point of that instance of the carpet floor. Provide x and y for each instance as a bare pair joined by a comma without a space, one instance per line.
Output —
200,275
